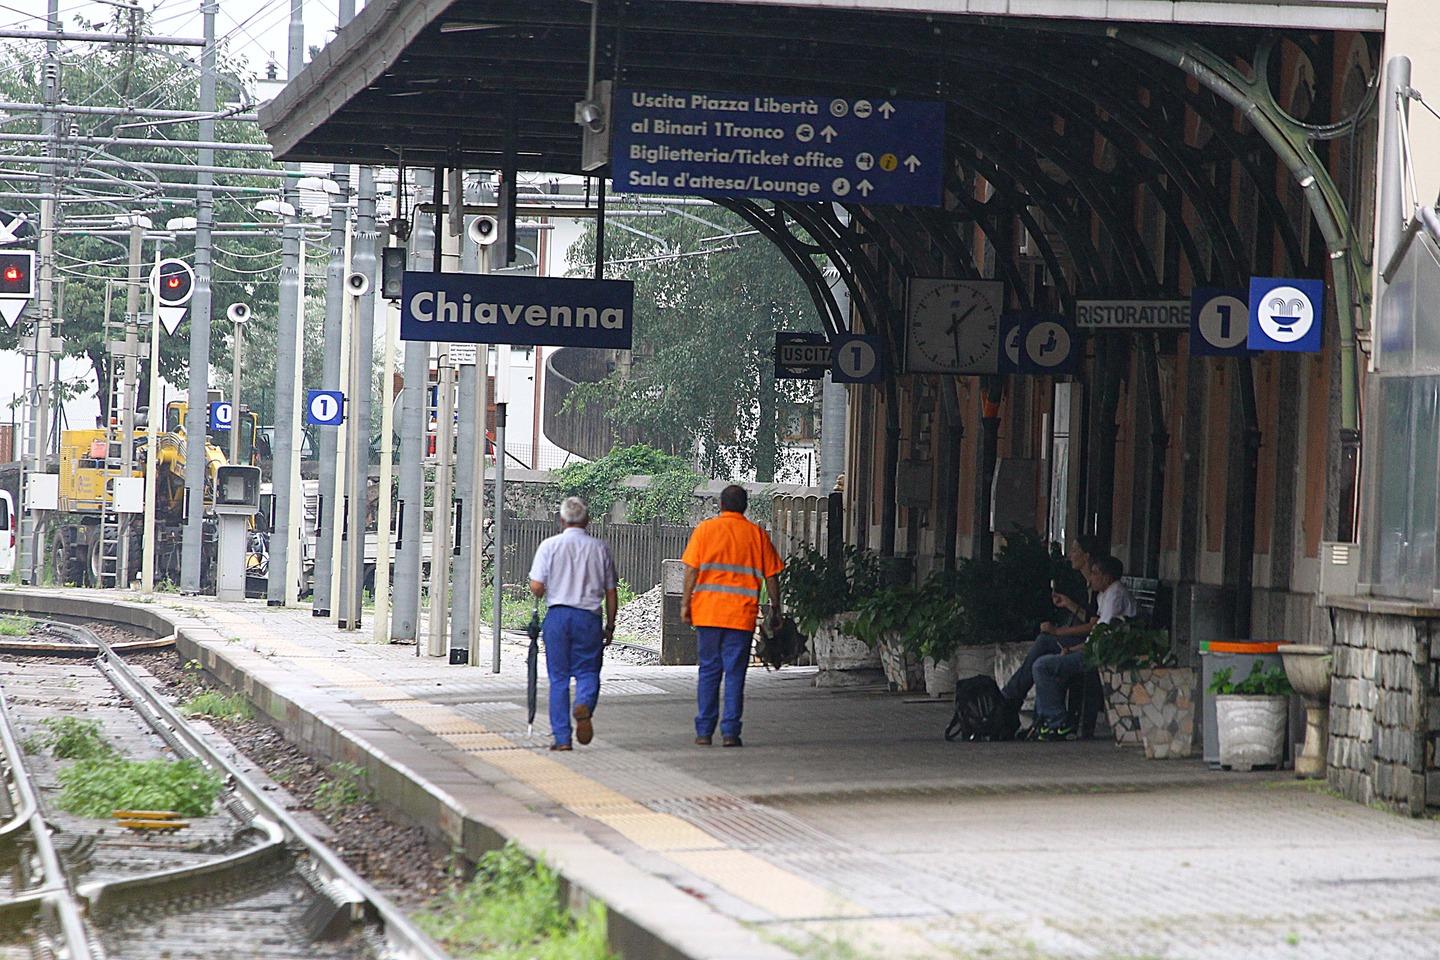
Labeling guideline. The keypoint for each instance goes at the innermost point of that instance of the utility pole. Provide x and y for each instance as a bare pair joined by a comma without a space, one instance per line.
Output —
329,499
405,617
287,364
39,452
197,416
128,393
469,482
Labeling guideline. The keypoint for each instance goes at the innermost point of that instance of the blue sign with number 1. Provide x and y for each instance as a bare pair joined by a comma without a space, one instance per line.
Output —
857,359
325,408
1219,322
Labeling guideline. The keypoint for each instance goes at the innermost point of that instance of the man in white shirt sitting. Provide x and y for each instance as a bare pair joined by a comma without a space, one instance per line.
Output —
1053,673
576,573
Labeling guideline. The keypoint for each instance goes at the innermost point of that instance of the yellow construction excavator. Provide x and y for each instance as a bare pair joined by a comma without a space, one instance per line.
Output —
96,517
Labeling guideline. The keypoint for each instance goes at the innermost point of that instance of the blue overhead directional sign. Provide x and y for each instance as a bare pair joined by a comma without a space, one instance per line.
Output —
875,151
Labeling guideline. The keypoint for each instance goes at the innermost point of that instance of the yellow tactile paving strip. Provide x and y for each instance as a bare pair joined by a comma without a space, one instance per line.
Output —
739,873
772,889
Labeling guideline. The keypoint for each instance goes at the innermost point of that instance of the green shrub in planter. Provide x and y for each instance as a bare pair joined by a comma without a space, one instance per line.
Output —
1125,645
1261,682
817,587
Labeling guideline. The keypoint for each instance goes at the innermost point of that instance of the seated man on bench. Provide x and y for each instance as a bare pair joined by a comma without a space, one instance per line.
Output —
1053,672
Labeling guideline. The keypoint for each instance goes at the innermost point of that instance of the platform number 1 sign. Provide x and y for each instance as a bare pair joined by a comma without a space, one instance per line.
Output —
857,359
325,408
1219,322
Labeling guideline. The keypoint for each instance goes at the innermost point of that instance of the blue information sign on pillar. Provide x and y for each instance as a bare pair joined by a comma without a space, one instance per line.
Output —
868,151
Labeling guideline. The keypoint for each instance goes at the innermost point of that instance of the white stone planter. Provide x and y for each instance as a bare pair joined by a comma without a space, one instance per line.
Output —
844,661
939,677
904,671
1251,730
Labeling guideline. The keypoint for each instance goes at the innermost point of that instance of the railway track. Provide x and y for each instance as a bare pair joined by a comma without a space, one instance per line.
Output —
245,881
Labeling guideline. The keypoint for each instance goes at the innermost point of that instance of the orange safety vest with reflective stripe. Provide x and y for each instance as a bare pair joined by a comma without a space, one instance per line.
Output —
731,557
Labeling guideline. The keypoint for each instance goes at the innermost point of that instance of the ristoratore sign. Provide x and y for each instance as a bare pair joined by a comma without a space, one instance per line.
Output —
530,311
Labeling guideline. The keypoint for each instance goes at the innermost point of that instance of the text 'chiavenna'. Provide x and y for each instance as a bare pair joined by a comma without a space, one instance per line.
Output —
428,307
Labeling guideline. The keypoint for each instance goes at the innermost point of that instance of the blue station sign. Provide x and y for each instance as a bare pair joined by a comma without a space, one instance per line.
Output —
873,151
528,311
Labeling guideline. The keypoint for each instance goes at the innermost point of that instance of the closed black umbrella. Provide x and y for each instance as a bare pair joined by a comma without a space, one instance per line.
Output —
532,667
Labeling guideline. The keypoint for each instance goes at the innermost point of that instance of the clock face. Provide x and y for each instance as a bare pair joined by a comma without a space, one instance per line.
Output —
954,326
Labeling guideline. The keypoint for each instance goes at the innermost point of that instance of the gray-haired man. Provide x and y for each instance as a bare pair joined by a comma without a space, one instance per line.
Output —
577,573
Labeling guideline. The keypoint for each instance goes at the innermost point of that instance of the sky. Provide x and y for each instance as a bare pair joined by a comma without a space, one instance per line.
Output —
254,29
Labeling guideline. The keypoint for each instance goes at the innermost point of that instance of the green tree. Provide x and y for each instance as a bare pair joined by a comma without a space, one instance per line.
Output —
246,268
709,297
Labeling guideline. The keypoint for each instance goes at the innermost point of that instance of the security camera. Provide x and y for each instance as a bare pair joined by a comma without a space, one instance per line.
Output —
357,284
238,312
484,230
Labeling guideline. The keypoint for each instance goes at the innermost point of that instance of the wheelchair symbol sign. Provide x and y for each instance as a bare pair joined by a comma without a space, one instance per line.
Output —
1285,314
325,408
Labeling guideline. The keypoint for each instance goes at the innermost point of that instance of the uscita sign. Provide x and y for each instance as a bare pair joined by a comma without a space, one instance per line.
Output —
528,311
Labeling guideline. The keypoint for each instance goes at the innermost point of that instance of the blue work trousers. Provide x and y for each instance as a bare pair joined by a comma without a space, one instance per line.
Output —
726,653
1052,674
574,648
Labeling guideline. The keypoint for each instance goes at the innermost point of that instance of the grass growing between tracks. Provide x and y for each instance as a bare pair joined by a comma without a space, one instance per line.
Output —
213,703
100,781
11,626
512,910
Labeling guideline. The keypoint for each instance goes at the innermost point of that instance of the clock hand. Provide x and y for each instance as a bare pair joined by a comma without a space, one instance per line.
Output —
961,319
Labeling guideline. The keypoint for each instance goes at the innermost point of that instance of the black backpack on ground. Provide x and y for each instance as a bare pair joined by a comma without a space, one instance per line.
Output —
785,645
981,713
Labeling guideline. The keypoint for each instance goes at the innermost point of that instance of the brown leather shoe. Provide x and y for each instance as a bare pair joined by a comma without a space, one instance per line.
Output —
555,747
731,742
584,729
703,741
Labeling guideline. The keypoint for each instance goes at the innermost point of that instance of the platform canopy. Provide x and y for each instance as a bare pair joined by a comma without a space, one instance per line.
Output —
439,82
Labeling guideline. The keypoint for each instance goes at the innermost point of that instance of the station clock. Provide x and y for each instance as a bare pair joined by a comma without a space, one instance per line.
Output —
953,326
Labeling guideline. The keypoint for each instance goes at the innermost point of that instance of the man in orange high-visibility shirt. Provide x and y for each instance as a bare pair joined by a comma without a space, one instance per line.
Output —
726,561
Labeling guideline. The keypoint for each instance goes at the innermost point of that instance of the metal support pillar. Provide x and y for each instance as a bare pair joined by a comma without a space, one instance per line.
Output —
442,526
496,620
362,364
387,459
469,482
410,517
328,496
197,414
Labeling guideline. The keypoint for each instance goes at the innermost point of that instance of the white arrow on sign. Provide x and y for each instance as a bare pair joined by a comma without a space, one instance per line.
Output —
912,163
886,109
829,133
10,310
170,317
864,186
9,232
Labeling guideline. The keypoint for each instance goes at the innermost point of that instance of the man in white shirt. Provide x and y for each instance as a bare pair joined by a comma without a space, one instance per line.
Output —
576,573
1054,672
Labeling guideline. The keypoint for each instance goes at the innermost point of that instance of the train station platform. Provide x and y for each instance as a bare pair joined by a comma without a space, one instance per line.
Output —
846,827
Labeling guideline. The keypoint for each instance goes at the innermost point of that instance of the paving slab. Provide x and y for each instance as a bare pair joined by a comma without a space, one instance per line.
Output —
846,826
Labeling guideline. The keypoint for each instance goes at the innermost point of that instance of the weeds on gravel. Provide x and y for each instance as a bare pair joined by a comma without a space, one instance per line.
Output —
344,788
70,738
99,787
11,626
511,910
213,703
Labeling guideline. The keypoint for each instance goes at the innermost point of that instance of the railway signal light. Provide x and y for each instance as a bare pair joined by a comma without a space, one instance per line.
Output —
17,274
172,282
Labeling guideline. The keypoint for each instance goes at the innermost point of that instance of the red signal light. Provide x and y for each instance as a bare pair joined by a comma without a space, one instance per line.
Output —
172,282
12,273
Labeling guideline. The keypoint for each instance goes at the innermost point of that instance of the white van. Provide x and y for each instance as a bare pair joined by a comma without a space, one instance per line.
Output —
9,522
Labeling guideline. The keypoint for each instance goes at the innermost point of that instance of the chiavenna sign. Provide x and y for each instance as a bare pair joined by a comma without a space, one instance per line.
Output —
530,311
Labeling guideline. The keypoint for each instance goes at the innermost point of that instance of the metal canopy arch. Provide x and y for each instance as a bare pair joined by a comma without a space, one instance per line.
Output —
433,77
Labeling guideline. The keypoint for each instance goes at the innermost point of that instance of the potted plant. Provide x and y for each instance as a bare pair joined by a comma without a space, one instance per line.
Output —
882,622
1251,716
1148,700
821,593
